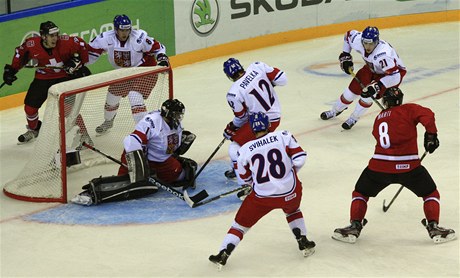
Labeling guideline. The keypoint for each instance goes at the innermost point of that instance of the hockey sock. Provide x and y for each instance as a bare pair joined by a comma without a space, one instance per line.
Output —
358,206
296,220
112,103
138,108
31,116
431,206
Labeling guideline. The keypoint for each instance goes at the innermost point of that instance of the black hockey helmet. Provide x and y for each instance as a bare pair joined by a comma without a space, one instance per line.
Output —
173,110
392,97
48,28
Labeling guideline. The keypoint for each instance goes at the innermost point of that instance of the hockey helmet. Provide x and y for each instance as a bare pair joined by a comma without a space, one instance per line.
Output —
259,122
173,110
122,22
370,35
48,28
232,67
392,97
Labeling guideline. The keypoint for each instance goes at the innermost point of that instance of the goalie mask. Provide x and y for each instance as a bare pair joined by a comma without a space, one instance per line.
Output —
173,111
392,97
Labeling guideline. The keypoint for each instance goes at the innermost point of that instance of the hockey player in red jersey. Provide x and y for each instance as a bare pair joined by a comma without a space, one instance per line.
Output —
383,69
396,160
270,164
57,58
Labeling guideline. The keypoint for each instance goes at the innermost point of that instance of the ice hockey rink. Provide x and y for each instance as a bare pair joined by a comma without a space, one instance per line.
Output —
162,237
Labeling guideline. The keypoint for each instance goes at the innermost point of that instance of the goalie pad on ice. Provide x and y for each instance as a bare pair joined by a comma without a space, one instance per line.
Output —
138,167
117,188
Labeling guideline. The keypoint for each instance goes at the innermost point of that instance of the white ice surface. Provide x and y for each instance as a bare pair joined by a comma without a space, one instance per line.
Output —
393,244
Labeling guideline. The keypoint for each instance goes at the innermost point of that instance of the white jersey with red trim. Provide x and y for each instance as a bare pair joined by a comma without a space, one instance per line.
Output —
138,50
153,135
383,60
254,92
270,163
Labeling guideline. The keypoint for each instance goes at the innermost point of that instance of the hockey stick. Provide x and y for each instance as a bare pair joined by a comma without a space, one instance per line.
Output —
43,67
385,208
209,159
193,204
194,199
3,84
362,86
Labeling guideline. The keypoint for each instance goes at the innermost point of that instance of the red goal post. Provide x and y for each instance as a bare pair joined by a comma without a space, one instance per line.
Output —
73,111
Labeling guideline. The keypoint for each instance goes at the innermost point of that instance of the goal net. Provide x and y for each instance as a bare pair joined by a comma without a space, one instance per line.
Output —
73,111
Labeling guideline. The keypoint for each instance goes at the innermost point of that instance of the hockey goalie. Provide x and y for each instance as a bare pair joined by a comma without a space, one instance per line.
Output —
153,150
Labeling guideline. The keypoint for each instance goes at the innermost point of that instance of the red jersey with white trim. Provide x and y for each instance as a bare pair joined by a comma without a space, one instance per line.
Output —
254,92
154,136
270,163
383,60
138,50
395,130
57,56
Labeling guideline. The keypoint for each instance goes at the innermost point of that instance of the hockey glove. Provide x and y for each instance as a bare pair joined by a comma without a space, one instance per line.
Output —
9,75
371,89
163,60
186,141
346,62
431,142
73,65
230,131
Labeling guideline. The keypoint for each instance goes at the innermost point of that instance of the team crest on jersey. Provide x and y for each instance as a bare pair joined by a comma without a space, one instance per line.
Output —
122,58
30,43
173,141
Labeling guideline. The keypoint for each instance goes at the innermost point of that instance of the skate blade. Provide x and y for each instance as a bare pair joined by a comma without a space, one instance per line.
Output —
348,239
308,252
219,266
102,133
440,239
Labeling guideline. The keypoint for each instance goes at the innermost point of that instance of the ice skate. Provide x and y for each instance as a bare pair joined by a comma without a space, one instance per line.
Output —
348,124
350,233
230,174
221,259
305,246
105,126
438,234
326,115
29,135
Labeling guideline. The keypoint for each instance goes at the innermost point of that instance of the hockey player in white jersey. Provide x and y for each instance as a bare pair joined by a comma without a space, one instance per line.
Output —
127,47
252,91
383,69
269,164
154,148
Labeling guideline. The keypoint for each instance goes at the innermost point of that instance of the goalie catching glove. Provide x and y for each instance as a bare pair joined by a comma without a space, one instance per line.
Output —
138,166
346,62
73,65
9,75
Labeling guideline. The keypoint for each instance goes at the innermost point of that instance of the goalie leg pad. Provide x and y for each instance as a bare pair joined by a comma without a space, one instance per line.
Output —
138,166
118,188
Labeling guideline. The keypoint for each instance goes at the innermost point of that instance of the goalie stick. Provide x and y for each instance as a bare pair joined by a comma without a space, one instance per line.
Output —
194,204
385,208
207,161
203,194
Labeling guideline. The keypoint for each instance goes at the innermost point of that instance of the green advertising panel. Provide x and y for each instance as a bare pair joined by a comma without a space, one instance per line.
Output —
155,17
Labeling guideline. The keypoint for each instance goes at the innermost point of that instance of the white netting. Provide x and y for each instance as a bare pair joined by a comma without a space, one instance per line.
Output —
80,105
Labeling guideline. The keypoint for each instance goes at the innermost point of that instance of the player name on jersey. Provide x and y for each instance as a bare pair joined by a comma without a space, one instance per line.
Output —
250,76
262,142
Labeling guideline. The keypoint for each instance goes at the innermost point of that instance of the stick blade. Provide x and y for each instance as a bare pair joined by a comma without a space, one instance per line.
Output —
192,200
384,207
